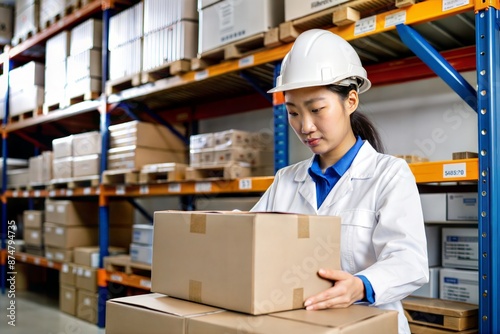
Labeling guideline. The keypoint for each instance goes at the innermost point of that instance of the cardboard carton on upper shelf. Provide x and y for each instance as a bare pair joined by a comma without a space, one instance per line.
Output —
67,274
28,75
86,64
57,49
27,100
161,14
202,157
228,21
459,285
33,236
18,177
33,218
71,213
86,307
127,315
86,143
26,21
236,248
201,141
232,138
135,157
86,36
67,299
62,147
295,9
63,236
86,278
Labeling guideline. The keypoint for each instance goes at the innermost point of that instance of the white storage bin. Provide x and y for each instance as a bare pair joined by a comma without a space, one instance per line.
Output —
459,285
460,248
462,206
142,234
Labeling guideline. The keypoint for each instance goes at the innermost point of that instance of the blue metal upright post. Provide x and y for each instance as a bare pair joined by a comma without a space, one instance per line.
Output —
280,129
488,76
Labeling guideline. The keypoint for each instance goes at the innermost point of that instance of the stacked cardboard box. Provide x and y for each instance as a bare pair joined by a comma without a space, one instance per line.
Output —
84,69
56,54
135,144
236,249
40,168
27,19
50,10
6,16
33,231
141,248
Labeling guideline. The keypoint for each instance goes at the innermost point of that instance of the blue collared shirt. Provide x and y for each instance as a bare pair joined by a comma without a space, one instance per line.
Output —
325,183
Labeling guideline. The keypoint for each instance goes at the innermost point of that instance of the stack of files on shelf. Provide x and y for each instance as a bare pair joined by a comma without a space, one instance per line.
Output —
56,54
125,42
170,32
27,20
40,169
84,71
26,87
33,231
135,144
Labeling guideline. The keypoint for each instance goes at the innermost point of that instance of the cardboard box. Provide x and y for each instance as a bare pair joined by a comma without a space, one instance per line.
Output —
295,9
434,207
28,75
67,299
87,165
201,141
78,88
86,36
67,274
57,49
141,253
62,168
143,134
86,278
86,307
86,143
34,250
163,314
142,234
159,14
438,313
462,206
18,177
26,100
89,256
58,254
236,248
232,138
33,237
460,248
430,289
354,319
459,285
135,157
202,157
62,147
234,154
33,218
86,64
41,168
228,21
62,236
71,213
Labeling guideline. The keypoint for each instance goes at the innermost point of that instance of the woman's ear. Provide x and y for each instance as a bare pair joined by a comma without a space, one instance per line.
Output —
352,101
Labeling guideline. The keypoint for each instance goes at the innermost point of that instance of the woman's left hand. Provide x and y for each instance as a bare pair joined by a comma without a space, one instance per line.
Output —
346,290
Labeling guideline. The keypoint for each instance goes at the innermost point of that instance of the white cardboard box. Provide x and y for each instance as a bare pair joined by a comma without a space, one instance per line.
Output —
434,207
141,253
142,234
28,99
86,165
430,289
298,8
460,248
62,168
462,206
228,21
86,143
459,285
62,147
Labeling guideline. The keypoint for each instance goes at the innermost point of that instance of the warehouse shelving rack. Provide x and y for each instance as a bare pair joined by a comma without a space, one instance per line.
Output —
261,67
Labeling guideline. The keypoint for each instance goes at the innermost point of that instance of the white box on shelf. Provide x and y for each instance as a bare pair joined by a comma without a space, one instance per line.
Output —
202,140
295,9
459,285
159,14
27,21
62,147
62,168
50,10
228,21
18,177
57,48
142,234
55,78
86,36
30,74
6,16
430,289
462,206
141,253
125,59
86,165
460,248
87,143
85,87
83,65
126,26
26,100
434,207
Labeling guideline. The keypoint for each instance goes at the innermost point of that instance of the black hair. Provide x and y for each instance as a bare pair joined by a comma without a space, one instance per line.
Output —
360,124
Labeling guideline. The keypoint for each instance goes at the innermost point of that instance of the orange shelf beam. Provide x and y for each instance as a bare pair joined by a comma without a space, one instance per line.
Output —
135,281
446,171
37,260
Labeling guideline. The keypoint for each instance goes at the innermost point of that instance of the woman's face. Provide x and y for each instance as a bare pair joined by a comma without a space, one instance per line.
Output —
320,118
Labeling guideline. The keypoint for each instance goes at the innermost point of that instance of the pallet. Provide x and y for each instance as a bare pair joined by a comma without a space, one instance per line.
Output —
117,85
166,70
464,155
52,20
37,186
75,182
161,173
26,115
237,49
75,5
225,172
343,14
47,108
16,40
120,176
412,158
87,96
122,263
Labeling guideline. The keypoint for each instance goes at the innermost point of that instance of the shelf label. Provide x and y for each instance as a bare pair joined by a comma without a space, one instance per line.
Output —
69,192
116,278
395,19
245,184
203,187
26,193
120,190
246,61
452,4
87,191
37,193
365,25
145,283
144,190
50,264
36,261
97,191
14,193
62,192
200,75
23,258
174,187
454,170
52,193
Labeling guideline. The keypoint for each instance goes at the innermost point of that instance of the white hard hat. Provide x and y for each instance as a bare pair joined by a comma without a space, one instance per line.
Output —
319,58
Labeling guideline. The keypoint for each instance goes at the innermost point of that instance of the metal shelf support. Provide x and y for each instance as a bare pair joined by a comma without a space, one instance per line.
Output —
139,208
488,75
415,42
281,154
254,83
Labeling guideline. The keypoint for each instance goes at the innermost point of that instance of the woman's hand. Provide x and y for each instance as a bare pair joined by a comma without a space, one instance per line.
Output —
346,290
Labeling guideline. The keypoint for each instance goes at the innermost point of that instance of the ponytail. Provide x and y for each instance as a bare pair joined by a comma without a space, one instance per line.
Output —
360,124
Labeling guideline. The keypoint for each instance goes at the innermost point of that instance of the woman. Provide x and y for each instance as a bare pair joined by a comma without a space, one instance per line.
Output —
383,245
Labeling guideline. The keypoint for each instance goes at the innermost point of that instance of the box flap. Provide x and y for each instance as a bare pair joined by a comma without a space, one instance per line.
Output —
440,306
165,304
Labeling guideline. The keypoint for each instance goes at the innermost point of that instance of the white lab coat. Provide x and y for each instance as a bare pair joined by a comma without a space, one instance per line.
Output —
382,233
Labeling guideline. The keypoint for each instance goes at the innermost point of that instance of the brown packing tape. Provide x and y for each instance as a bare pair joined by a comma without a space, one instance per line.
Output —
195,291
198,223
298,298
303,227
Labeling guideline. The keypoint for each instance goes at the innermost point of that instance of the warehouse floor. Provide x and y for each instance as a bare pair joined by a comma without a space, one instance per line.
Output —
39,313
